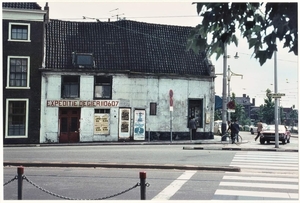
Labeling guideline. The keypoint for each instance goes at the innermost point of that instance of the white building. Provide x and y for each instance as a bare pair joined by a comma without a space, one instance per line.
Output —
123,80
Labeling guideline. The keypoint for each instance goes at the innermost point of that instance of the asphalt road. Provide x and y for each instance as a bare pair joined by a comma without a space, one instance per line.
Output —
141,154
93,183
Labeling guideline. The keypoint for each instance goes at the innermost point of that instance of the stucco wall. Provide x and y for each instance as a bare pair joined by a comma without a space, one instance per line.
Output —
133,92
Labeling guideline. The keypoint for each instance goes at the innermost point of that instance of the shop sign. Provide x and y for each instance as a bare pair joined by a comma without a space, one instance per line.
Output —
83,103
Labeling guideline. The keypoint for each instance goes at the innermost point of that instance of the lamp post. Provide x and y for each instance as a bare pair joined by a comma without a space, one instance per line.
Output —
230,73
224,97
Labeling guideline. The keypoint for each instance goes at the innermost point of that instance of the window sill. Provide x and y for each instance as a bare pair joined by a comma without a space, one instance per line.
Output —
18,40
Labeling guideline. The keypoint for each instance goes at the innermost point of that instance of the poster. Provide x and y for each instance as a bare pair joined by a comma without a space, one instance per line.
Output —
101,124
139,125
124,124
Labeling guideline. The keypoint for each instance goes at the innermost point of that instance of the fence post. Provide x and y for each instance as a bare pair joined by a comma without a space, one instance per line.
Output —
20,171
143,185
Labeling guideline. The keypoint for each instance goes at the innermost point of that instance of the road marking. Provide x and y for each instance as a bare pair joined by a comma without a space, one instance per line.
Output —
264,167
257,194
255,178
171,189
260,185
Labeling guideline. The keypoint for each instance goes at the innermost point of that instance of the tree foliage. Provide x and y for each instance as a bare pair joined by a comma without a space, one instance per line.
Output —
260,23
268,108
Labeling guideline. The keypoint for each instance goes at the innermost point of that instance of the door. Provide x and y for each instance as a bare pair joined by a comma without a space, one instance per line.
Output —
69,125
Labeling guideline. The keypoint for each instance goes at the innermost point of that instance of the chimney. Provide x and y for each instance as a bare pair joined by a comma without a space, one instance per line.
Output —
253,101
46,8
244,95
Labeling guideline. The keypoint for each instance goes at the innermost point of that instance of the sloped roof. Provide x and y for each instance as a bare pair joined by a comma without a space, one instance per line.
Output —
21,5
124,46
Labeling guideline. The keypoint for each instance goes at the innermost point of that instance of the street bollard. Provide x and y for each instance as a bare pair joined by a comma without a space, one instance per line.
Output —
20,171
143,185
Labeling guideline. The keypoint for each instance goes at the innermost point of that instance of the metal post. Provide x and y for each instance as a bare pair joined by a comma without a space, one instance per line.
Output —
171,125
224,96
229,90
149,134
20,171
276,101
143,185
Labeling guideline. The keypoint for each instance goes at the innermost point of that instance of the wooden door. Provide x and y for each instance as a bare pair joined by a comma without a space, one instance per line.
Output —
69,125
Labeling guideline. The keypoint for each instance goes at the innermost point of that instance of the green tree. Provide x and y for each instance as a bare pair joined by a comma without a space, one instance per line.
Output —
239,113
268,108
261,29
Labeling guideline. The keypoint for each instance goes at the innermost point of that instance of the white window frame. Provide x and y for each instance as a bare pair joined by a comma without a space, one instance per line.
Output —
19,40
6,120
8,72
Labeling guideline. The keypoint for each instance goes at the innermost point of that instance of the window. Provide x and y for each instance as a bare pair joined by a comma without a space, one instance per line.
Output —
18,72
70,87
153,108
16,118
103,86
19,32
83,60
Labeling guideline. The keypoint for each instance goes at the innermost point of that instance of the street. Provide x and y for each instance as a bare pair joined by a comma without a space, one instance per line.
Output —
264,175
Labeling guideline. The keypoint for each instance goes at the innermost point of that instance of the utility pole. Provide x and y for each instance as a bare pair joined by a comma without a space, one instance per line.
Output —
224,96
230,73
276,101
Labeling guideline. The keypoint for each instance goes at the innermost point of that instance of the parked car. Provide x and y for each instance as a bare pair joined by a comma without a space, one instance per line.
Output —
253,129
246,128
268,134
218,127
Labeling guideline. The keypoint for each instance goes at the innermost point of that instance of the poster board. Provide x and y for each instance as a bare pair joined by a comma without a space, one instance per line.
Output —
101,124
124,123
139,124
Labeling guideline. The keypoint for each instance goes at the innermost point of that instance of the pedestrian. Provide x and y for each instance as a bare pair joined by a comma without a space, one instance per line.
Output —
235,129
259,129
193,128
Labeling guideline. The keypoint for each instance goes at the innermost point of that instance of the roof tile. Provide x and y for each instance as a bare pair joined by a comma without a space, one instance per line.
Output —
124,45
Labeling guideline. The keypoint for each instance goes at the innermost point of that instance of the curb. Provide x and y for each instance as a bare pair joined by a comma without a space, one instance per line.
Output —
116,165
239,149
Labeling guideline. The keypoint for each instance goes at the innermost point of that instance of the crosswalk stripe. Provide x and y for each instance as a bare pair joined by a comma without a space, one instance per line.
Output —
257,194
262,171
265,167
254,178
267,158
292,175
263,163
260,185
170,190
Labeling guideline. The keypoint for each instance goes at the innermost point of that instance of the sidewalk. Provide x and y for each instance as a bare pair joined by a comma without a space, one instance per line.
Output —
248,144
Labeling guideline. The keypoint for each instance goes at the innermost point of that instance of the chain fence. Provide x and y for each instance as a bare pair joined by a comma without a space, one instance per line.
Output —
69,198
15,178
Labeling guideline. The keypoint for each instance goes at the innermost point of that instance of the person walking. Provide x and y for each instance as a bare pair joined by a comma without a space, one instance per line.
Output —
259,129
193,128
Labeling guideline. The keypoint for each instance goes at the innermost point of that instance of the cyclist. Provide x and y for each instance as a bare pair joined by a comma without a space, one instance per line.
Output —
235,129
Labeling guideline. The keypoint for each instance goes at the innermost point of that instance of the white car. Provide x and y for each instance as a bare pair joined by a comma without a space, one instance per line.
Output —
218,127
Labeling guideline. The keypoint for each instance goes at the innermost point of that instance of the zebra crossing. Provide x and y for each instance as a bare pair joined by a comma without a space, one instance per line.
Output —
263,176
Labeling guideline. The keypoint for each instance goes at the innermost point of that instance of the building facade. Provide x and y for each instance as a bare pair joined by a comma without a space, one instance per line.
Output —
22,37
123,80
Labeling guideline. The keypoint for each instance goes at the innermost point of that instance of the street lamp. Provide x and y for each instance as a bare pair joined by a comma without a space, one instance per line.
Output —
230,73
224,100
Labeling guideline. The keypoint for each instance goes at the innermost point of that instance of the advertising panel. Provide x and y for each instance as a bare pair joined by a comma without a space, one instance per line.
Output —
139,125
124,124
101,124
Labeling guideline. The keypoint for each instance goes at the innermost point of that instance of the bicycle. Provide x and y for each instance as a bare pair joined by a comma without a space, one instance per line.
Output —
226,139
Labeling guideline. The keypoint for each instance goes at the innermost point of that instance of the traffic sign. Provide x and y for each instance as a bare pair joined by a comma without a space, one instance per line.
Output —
276,95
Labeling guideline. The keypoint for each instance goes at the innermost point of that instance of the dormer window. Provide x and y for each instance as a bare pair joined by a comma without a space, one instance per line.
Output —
83,60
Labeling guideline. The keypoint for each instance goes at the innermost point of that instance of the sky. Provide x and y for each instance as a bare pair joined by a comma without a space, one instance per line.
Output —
256,79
